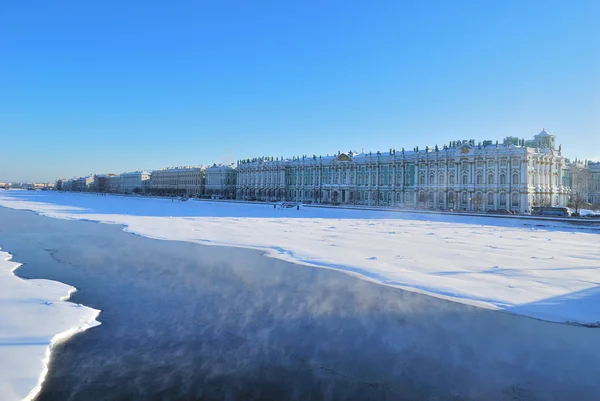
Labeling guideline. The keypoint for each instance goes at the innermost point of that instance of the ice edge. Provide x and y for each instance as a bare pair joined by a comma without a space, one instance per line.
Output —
58,338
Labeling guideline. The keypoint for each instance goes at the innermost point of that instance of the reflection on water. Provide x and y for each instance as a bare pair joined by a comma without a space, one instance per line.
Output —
189,322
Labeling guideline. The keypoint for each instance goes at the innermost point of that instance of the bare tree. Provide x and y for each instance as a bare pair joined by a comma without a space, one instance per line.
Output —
577,201
542,200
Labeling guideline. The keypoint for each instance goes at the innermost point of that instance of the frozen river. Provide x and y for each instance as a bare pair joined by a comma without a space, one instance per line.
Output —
183,321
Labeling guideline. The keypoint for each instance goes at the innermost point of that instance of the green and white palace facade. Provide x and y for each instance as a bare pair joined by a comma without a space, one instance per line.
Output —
515,175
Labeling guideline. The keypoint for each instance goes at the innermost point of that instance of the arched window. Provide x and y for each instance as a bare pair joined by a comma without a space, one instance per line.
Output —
451,179
359,178
422,197
502,179
490,199
451,198
515,179
479,199
406,197
479,179
515,199
431,179
398,197
407,179
465,179
389,179
502,199
430,198
422,179
441,180
491,179
398,179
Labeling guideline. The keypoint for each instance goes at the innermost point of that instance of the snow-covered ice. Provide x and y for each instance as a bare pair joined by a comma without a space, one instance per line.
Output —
34,315
546,270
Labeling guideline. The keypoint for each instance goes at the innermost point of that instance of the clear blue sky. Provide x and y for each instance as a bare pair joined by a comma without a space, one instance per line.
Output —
111,86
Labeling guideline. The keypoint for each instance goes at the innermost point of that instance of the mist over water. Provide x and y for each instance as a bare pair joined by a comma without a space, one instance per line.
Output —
189,322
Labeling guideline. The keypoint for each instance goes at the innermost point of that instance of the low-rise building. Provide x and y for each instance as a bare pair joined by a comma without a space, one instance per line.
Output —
114,184
594,185
220,181
83,184
102,182
583,177
178,181
135,182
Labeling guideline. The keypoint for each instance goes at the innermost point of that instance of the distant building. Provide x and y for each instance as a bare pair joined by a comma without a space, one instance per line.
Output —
594,185
114,184
462,175
83,184
135,182
220,181
583,177
178,181
102,182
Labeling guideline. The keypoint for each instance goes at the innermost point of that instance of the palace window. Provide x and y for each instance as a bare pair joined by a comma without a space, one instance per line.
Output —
491,179
502,199
451,179
502,179
490,199
441,180
515,199
479,179
407,179
515,179
465,179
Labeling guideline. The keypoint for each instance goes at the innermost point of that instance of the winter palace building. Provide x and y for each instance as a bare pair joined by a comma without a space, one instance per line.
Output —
463,175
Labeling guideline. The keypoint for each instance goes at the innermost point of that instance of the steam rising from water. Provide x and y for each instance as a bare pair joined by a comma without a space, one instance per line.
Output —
183,321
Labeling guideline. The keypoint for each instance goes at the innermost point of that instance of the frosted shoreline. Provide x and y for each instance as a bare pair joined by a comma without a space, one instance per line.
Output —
45,319
548,273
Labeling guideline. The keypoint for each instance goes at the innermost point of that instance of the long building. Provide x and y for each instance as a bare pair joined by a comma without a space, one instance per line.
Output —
462,175
179,181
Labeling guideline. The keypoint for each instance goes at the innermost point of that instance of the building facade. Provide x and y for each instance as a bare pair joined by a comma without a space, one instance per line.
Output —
134,182
583,177
220,181
82,184
178,181
462,175
114,184
102,182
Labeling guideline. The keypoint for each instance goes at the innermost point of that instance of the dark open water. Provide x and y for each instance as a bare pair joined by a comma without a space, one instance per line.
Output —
189,322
